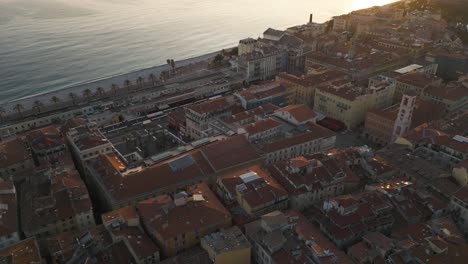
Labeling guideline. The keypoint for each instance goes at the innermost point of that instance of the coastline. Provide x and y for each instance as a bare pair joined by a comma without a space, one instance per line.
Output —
104,82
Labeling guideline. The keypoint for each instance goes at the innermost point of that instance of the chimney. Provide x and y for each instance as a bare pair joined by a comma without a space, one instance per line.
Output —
310,18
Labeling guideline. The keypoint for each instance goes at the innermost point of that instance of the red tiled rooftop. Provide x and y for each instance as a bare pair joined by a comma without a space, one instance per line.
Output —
416,79
209,106
300,112
315,133
128,185
230,152
125,213
452,92
261,125
13,152
25,251
313,79
178,220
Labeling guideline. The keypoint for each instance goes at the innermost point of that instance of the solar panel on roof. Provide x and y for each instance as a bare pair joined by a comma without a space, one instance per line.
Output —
182,163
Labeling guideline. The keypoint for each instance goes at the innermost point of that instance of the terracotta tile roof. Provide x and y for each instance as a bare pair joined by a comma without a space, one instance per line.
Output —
25,251
258,92
262,125
311,172
123,186
245,116
232,151
425,111
299,112
117,253
349,93
45,138
63,196
210,106
160,215
311,79
263,190
309,232
424,133
315,133
416,79
125,213
139,241
462,194
359,251
452,92
12,152
63,245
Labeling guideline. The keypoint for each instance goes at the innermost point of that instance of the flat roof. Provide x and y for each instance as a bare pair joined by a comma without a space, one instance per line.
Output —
409,68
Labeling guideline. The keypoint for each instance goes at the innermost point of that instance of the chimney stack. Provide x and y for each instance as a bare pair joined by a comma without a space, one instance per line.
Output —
310,18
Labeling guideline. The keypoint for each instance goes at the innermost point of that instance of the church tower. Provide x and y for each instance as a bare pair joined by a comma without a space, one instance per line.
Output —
405,114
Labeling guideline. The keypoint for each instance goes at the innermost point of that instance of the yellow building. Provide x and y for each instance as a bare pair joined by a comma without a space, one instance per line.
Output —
343,101
229,246
460,173
301,89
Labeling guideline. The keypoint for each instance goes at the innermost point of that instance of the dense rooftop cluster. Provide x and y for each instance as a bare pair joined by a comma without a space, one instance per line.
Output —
342,142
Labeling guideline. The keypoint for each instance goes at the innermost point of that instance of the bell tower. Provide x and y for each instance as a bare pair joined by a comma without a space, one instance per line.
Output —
405,114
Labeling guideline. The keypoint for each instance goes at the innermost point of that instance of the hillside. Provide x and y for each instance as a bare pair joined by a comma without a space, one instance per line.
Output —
455,12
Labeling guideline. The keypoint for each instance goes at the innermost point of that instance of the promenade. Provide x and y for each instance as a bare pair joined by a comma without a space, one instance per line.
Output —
63,95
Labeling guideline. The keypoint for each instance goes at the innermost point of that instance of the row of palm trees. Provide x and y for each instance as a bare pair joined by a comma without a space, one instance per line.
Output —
38,106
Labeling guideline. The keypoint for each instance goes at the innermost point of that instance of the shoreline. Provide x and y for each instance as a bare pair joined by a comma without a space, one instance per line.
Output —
104,82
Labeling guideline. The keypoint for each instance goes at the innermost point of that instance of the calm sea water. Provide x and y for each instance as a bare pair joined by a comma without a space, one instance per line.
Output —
50,44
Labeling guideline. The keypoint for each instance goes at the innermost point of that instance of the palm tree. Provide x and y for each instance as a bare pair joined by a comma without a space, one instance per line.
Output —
152,77
100,90
2,112
140,82
73,97
114,88
55,99
19,108
171,63
37,105
87,94
127,83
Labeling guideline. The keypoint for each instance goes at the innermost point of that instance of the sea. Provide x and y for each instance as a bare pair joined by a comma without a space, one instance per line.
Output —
47,45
